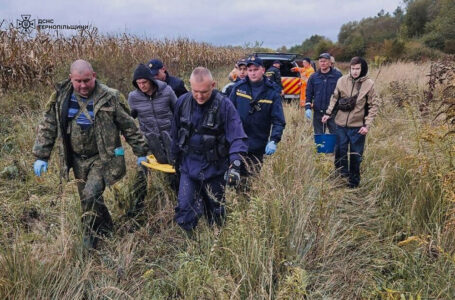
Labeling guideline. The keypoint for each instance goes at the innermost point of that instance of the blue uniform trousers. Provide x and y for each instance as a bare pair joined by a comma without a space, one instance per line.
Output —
196,198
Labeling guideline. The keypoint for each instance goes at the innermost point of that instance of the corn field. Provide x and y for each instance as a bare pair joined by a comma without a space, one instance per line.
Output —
26,61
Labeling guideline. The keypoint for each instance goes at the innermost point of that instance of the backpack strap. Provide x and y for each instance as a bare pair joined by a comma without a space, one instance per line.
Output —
210,120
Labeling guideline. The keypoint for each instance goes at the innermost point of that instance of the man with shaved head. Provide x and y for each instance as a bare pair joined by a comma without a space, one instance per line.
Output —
86,118
207,143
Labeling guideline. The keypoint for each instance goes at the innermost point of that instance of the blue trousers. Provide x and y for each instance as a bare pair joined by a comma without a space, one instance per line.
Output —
196,198
349,140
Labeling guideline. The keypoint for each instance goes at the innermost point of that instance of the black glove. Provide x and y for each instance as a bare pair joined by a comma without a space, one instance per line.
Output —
232,175
175,162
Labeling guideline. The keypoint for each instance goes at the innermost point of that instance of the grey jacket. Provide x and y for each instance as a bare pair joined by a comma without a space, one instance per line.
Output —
155,114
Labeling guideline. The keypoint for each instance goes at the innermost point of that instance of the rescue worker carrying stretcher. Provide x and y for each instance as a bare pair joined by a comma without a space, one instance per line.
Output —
207,142
152,102
83,120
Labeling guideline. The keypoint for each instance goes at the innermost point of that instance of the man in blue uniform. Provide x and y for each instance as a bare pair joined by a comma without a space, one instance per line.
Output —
319,89
273,74
160,73
259,105
240,74
207,142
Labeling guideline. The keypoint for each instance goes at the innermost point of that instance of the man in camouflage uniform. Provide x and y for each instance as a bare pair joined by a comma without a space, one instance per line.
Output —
86,118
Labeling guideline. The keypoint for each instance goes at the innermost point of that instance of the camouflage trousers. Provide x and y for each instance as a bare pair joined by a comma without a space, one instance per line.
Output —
90,184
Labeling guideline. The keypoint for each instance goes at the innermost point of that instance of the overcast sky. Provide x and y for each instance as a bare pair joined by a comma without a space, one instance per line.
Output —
235,22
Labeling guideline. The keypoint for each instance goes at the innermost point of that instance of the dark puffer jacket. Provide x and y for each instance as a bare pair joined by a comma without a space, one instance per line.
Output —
154,112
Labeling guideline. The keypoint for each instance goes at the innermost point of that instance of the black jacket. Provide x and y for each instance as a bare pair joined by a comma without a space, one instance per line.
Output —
176,84
274,75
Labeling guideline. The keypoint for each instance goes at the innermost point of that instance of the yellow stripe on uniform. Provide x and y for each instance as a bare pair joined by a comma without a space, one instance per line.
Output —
243,95
265,101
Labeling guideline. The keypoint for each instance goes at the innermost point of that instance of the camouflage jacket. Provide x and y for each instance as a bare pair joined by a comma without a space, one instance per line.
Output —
112,117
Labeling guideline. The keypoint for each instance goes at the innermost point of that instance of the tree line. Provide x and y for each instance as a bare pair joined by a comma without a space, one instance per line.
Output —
423,29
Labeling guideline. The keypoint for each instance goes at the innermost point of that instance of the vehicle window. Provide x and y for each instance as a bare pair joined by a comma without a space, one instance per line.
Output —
285,68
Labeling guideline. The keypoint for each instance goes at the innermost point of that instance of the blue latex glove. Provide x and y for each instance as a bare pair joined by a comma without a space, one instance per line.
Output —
40,166
141,159
308,114
119,151
270,148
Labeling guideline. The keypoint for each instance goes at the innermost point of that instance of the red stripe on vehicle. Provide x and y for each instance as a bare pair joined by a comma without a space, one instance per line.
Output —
291,86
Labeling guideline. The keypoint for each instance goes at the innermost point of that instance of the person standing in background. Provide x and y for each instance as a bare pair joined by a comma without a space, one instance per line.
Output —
305,73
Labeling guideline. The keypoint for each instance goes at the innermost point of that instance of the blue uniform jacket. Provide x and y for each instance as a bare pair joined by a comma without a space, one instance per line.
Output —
258,124
228,88
196,164
320,88
274,75
176,84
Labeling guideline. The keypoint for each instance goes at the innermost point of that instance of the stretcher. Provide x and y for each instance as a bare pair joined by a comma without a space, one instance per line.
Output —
151,163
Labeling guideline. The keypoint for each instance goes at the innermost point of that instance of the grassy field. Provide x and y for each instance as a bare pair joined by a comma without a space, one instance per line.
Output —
298,234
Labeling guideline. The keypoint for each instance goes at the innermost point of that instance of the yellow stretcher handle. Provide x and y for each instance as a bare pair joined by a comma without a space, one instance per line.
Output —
153,164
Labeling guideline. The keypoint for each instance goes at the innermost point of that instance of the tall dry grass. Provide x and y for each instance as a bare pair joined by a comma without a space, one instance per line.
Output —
299,233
